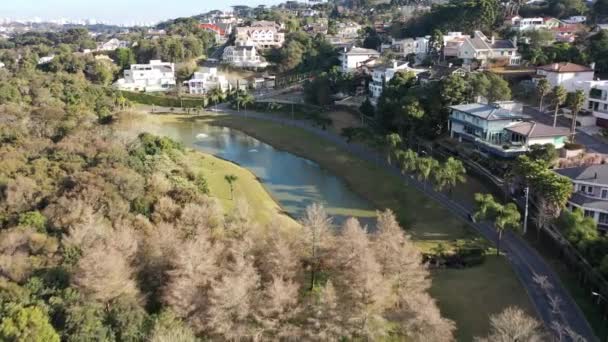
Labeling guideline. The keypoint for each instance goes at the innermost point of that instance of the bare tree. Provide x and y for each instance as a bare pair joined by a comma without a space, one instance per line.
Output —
317,239
513,324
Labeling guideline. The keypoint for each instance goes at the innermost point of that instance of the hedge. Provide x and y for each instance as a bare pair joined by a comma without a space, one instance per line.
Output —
165,100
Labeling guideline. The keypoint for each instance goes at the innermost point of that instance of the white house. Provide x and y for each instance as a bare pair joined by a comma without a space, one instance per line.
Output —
596,100
112,45
262,34
418,46
2,65
153,77
501,129
205,80
590,192
483,49
355,57
45,60
243,56
564,74
521,24
381,75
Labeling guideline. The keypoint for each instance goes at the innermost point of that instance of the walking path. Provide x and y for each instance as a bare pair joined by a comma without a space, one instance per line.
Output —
555,306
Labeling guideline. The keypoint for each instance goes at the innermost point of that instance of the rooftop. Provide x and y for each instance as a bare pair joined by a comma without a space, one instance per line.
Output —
487,112
533,129
597,174
361,51
565,67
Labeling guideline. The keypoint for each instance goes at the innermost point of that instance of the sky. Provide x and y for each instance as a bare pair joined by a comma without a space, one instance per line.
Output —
116,11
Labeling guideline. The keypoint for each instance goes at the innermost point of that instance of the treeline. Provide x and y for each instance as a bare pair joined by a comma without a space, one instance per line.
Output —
303,53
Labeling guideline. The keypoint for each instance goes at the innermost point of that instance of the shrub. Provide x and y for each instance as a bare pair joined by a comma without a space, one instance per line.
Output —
33,219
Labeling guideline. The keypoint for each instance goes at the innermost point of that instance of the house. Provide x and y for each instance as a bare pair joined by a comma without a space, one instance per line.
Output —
521,24
382,74
577,19
596,100
565,74
153,77
243,56
485,50
2,65
438,72
353,58
566,33
418,46
217,31
263,35
205,80
348,30
590,192
112,45
500,128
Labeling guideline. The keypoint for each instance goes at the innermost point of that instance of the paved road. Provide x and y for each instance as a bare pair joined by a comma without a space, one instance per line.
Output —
524,259
593,144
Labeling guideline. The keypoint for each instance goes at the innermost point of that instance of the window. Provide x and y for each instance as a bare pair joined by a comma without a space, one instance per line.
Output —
604,193
603,218
589,213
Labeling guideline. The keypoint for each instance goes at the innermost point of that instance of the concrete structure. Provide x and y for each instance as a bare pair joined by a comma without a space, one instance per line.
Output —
243,56
564,74
45,60
590,192
205,80
500,129
383,74
596,101
355,57
112,45
484,49
154,77
263,35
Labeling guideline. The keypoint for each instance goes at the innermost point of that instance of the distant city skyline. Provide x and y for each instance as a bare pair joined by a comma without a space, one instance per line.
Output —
116,11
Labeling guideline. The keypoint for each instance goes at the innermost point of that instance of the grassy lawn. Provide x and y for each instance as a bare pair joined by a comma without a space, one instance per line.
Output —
465,296
490,288
246,186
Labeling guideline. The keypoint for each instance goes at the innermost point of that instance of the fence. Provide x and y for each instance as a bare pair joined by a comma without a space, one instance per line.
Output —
165,100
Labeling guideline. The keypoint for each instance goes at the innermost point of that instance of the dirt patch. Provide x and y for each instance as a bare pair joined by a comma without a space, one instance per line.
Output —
343,119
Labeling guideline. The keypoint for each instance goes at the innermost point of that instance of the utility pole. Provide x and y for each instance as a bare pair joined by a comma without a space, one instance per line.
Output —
293,116
527,191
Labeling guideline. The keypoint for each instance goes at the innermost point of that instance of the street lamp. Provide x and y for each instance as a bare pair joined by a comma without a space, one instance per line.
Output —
598,295
527,191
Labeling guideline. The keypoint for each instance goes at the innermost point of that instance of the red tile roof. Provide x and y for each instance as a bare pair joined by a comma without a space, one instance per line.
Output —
212,27
565,67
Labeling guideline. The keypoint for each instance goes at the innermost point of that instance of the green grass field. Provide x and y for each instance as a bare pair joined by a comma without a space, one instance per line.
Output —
465,296
246,186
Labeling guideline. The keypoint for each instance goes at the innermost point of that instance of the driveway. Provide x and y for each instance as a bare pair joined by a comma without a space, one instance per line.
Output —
583,135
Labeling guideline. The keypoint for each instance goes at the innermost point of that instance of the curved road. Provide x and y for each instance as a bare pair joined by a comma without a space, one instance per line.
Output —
524,259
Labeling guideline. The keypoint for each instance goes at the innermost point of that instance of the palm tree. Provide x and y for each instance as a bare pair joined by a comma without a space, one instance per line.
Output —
450,174
392,142
230,179
542,87
426,167
504,216
577,101
559,97
216,95
408,161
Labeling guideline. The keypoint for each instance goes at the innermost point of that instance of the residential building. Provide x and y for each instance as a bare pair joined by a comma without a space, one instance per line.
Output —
565,74
353,58
153,77
112,45
217,31
2,65
577,19
263,35
590,192
483,50
418,46
348,30
438,72
205,80
382,74
500,128
596,101
521,24
243,56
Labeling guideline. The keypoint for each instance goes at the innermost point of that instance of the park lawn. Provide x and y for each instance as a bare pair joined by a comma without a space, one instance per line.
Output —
466,296
246,186
490,288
